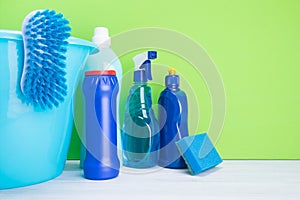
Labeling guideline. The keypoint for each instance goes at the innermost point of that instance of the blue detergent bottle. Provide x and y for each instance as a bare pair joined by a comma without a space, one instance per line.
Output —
173,121
105,59
140,132
100,89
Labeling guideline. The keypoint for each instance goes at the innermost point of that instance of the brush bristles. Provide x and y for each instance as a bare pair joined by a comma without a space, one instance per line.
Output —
45,36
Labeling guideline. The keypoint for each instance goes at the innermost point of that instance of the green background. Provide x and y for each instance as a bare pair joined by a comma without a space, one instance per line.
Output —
254,43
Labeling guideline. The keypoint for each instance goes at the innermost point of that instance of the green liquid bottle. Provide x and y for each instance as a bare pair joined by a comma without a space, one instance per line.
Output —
140,132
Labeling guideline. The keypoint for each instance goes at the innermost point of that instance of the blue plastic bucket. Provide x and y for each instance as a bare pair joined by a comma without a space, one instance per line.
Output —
34,145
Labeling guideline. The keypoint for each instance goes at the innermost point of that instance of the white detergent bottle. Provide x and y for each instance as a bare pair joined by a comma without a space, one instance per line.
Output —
105,59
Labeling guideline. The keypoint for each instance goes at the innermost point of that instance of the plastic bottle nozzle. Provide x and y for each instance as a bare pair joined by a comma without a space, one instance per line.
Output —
172,79
142,64
172,71
147,66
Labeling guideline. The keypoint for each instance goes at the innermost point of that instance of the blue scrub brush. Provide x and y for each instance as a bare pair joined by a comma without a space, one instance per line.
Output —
43,81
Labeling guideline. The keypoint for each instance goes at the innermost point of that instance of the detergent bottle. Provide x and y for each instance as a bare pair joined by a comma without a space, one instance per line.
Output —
173,121
140,131
105,59
100,89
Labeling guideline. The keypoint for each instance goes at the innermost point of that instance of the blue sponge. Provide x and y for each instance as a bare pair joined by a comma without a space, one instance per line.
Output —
199,153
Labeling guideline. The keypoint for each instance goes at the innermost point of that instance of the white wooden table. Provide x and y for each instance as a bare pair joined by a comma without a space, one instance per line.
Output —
231,180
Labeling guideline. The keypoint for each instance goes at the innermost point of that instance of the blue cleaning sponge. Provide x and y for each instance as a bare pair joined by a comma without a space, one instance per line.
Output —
199,153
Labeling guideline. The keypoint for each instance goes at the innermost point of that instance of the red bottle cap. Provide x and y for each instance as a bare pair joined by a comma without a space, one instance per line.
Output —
100,72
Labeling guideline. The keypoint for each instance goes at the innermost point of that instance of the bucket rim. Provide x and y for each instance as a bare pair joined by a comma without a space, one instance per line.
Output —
17,35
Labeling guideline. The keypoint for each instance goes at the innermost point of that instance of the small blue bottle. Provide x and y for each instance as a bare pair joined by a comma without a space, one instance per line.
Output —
173,121
100,89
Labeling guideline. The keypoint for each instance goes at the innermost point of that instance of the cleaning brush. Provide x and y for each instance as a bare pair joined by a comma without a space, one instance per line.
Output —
43,81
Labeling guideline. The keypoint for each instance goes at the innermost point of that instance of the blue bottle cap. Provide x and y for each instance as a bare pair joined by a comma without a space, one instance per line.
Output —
140,76
172,79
